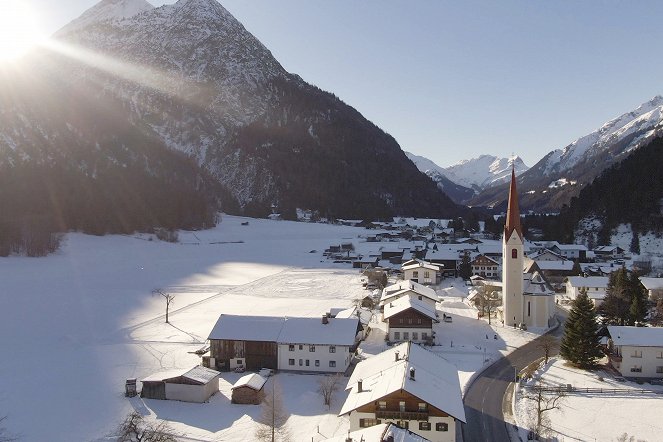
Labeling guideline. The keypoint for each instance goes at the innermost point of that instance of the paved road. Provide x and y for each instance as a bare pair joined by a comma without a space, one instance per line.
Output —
484,398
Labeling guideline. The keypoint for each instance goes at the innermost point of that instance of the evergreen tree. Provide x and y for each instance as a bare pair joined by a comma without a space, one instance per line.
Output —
580,344
616,304
638,295
465,267
635,242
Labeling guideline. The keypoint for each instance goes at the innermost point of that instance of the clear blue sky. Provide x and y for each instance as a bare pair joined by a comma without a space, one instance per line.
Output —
451,80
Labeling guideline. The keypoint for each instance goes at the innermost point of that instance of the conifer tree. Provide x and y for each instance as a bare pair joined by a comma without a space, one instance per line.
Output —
580,343
638,295
635,242
465,267
616,304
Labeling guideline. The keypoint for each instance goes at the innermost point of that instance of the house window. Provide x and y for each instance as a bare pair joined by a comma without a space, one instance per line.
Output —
423,407
415,336
659,355
403,424
426,274
307,364
636,354
301,362
240,362
332,364
418,320
311,348
397,336
514,255
401,406
382,405
400,320
415,274
424,426
317,362
364,423
301,347
441,426
420,297
659,369
291,347
529,308
636,369
332,349
291,362
424,335
406,335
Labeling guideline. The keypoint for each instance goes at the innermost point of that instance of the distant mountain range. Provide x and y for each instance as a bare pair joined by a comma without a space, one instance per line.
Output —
561,174
463,180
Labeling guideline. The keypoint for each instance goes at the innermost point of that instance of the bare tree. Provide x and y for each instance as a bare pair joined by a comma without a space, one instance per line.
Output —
547,343
168,297
272,423
135,429
327,387
487,300
626,438
545,401
5,436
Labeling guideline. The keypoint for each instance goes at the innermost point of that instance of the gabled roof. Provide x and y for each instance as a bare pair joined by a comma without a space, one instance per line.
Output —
562,266
652,283
435,381
636,336
286,330
588,281
486,257
420,265
413,286
197,374
409,302
571,247
535,285
251,380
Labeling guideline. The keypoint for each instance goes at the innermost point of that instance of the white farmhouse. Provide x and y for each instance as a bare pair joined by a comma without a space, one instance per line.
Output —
409,386
405,288
636,352
595,285
422,272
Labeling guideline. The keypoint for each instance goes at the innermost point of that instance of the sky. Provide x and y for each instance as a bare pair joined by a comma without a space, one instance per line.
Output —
452,80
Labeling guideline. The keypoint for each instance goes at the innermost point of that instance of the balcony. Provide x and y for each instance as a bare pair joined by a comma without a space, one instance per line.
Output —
402,415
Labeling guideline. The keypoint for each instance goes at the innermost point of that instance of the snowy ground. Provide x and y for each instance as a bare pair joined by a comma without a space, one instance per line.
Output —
596,417
76,324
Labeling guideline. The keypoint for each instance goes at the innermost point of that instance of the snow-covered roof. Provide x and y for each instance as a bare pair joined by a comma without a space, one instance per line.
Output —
409,302
199,374
535,285
402,286
588,281
566,266
379,433
652,283
251,380
490,249
337,331
443,255
454,292
435,381
287,330
571,247
636,336
421,265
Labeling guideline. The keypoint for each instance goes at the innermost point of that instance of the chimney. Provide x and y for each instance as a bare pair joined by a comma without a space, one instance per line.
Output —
360,386
412,373
396,356
325,320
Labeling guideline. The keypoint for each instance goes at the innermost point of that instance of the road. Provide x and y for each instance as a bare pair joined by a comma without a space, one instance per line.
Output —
485,397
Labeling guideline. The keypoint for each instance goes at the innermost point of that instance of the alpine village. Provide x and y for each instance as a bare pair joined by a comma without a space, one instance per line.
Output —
198,245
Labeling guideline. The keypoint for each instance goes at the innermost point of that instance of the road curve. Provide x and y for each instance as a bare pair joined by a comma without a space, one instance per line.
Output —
485,396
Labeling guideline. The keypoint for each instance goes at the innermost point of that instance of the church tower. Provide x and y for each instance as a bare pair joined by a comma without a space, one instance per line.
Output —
512,260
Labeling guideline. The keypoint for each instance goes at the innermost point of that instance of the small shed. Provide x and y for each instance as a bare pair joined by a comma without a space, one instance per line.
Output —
197,384
249,389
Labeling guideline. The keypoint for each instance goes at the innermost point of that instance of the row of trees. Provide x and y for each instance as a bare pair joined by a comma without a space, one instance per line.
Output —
626,300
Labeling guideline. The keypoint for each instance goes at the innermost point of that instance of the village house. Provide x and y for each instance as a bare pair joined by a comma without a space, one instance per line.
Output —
422,272
448,258
485,267
636,352
283,343
594,285
195,384
409,386
654,287
248,389
571,251
407,288
410,319
609,252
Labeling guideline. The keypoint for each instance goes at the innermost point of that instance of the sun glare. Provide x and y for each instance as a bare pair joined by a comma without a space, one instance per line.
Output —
18,29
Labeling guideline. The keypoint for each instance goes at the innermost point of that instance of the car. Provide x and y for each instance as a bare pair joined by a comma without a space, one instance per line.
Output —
239,369
446,318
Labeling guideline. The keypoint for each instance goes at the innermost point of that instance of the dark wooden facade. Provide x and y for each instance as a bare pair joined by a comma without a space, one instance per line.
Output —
256,354
392,411
410,318
247,395
153,390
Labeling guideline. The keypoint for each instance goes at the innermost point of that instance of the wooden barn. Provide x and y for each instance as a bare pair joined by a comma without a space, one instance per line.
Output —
249,389
249,342
189,385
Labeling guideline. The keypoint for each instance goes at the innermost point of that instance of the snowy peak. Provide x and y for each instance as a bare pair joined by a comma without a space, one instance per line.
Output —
484,171
104,11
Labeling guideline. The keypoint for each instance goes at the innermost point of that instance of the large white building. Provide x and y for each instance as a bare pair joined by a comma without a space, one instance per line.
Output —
637,352
409,386
526,298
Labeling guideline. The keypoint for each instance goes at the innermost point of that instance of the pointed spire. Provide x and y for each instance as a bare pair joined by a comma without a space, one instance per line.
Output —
512,211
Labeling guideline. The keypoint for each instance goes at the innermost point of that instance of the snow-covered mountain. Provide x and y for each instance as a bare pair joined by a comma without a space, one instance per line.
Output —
461,181
561,174
189,78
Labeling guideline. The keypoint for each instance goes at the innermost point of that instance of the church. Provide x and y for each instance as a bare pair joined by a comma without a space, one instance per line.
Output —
527,300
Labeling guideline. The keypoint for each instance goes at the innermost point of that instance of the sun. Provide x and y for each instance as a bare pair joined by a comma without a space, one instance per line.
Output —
18,29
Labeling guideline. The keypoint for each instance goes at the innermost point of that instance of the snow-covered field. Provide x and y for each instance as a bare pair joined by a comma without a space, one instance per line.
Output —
593,416
75,325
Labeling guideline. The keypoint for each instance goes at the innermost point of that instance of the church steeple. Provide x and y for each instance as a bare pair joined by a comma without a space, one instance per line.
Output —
512,211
